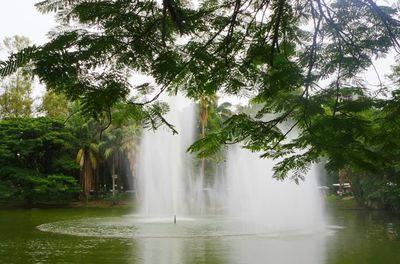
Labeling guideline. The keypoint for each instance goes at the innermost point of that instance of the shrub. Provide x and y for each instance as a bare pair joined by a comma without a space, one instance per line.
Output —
31,187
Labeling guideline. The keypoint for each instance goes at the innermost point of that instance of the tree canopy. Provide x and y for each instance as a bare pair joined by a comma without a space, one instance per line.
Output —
300,60
36,154
15,97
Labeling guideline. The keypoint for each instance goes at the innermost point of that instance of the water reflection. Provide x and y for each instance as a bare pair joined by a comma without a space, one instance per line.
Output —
363,237
160,250
300,249
201,240
308,249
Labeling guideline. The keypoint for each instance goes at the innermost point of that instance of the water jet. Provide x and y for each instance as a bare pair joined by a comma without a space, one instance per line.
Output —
242,211
243,189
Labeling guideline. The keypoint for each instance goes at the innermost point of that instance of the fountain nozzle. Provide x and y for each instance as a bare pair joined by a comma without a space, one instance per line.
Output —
174,219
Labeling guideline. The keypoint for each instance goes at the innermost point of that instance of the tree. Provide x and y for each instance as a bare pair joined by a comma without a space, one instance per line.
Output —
117,141
87,158
205,103
36,160
94,137
277,52
54,105
86,130
15,100
40,144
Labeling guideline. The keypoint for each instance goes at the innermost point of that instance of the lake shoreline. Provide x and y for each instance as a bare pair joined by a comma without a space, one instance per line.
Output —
98,203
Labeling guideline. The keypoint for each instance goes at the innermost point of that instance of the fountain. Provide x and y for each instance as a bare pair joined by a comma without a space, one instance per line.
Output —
254,217
162,168
245,191
263,203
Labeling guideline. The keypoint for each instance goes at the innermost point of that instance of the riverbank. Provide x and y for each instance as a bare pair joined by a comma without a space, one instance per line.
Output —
334,202
103,203
99,203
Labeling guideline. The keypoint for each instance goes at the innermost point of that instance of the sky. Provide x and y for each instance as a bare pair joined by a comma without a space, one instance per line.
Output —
20,17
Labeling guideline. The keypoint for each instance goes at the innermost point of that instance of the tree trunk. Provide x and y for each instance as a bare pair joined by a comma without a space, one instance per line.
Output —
357,190
96,183
87,176
113,177
203,123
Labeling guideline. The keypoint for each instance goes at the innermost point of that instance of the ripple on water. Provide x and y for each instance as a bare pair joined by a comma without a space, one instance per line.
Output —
142,227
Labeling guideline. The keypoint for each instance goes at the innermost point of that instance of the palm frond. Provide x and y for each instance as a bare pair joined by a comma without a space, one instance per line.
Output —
93,160
80,156
128,145
108,152
94,147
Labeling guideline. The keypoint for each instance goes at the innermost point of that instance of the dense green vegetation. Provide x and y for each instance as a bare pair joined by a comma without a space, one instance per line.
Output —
52,153
36,160
43,159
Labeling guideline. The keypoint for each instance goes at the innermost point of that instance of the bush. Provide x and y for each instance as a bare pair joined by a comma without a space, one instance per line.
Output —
380,192
117,198
391,197
55,188
31,187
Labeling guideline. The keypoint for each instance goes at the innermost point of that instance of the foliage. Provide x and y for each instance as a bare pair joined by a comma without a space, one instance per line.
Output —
87,157
56,188
35,154
116,198
381,192
54,105
116,143
300,60
31,187
391,197
15,100
35,143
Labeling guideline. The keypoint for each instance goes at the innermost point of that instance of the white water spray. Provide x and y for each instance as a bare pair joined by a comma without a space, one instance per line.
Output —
163,165
169,186
264,204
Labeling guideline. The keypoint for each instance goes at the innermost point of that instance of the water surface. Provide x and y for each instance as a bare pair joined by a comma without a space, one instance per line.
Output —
352,237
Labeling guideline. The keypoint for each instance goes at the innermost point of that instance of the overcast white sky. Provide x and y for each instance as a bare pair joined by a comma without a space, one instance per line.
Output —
20,17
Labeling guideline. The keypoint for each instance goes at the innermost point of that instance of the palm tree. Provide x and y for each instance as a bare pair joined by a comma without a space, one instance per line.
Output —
117,141
87,157
205,102
86,130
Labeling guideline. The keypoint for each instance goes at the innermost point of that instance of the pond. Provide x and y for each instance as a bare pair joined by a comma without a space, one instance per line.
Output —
353,236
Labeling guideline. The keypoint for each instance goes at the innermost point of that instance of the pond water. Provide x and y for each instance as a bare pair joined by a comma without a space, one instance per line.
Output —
352,236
